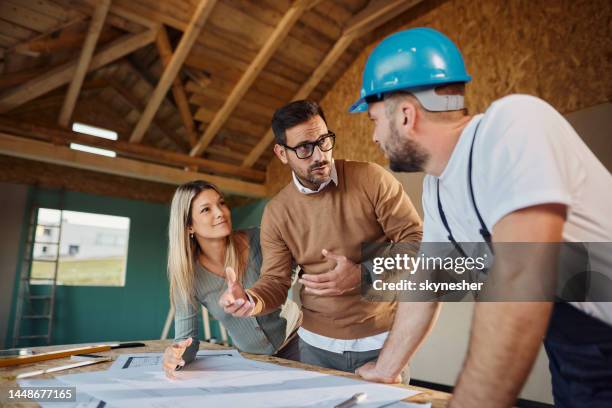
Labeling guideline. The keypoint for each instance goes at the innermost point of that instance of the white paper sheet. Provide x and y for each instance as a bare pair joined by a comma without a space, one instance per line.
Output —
127,361
225,381
83,400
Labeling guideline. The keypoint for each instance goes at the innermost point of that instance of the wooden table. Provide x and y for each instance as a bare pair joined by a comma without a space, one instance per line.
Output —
7,374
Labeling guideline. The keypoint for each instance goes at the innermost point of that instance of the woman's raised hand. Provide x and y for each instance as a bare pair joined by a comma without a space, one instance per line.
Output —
234,300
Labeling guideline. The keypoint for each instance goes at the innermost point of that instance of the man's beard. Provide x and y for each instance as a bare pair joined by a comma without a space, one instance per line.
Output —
315,179
404,155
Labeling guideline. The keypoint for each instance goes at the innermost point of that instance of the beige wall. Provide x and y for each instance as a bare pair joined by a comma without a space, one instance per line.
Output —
594,125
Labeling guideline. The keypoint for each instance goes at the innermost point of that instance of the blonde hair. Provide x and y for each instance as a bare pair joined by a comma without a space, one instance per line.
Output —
183,250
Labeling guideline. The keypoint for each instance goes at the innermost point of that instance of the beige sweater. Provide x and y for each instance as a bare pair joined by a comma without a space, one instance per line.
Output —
367,205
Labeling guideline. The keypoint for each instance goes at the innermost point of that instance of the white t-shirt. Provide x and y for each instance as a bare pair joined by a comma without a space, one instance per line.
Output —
525,154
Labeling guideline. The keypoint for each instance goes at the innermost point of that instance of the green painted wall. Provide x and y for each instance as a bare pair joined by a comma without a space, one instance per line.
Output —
248,216
138,310
135,311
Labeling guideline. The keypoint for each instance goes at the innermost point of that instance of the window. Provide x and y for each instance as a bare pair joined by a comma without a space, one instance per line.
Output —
87,249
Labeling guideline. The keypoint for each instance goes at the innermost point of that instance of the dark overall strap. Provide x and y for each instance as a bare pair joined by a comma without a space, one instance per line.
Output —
484,232
451,238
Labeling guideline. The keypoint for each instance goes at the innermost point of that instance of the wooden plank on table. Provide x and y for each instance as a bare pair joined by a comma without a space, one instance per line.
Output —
95,28
187,40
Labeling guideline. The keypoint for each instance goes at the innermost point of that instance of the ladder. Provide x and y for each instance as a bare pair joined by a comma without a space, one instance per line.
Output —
34,308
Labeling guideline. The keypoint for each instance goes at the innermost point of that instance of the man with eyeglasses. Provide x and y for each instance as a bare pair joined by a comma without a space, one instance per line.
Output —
319,221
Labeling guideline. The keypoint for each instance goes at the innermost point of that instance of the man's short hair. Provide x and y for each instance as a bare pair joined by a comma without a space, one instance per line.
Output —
293,114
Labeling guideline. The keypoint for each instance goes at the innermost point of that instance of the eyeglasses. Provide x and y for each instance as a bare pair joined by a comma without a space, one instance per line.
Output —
325,142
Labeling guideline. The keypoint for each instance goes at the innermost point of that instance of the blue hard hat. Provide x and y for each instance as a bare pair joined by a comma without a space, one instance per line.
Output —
419,57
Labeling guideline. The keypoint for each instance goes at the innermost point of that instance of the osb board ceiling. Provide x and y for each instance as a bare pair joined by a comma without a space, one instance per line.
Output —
187,84
557,50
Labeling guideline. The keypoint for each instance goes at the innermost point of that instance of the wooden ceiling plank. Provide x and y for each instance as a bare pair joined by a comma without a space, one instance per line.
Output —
187,40
48,8
178,91
130,149
375,14
26,17
368,19
264,55
62,74
13,30
6,42
34,45
135,103
89,46
50,153
131,23
219,65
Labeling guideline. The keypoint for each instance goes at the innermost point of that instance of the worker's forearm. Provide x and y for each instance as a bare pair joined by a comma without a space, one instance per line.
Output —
413,321
505,341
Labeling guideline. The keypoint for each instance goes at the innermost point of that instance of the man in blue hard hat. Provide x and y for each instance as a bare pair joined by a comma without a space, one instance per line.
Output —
517,173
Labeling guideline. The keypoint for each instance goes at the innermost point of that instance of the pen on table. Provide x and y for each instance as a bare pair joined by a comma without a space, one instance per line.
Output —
354,400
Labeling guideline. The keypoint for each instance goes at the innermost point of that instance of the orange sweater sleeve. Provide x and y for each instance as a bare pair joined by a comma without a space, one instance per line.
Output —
395,212
272,288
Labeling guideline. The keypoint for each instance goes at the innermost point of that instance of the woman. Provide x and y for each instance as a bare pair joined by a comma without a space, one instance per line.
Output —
203,253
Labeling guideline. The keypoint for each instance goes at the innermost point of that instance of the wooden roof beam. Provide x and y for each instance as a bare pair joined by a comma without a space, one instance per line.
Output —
187,40
64,137
374,15
138,106
63,74
253,70
47,152
178,91
95,28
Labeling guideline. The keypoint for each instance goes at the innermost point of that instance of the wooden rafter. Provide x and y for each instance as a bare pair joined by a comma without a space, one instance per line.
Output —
377,13
31,46
95,28
61,136
62,74
118,17
187,40
137,105
178,91
243,85
47,152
